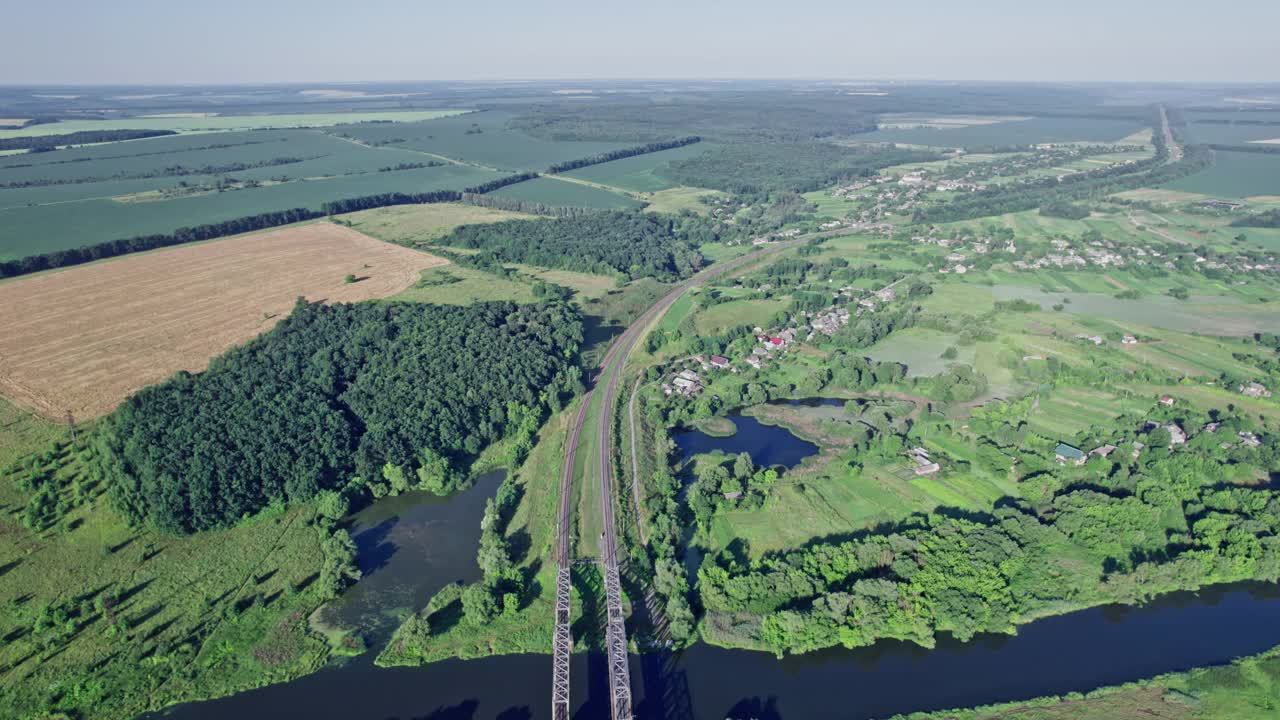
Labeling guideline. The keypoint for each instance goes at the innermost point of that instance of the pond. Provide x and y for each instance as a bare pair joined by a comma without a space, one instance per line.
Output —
768,445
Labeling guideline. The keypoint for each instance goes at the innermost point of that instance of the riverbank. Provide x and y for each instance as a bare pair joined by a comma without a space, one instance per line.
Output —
1246,689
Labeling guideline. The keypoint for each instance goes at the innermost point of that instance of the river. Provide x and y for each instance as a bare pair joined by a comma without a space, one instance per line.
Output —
412,545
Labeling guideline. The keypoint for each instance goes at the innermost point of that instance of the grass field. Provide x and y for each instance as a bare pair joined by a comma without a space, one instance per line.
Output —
1017,132
562,193
1234,175
408,224
84,338
677,199
722,316
641,173
457,285
218,123
920,349
153,619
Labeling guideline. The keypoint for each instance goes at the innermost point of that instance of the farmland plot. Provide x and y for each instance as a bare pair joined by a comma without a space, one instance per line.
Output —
83,339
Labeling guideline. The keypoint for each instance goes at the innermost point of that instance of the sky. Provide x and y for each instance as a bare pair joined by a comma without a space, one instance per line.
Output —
261,41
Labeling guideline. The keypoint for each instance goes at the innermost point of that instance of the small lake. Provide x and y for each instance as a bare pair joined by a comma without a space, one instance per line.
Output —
768,445
410,546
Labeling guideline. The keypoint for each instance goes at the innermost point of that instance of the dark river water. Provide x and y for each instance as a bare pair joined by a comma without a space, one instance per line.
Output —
412,545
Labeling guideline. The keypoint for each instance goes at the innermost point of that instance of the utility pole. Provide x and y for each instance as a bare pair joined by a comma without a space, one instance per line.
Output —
71,425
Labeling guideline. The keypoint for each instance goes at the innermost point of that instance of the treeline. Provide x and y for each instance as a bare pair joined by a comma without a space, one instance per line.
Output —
624,153
372,398
140,243
633,244
1264,219
1152,516
45,143
797,167
498,202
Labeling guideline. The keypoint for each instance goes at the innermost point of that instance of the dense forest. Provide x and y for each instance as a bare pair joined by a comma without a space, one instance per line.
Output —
634,244
1153,515
623,153
392,395
45,143
796,167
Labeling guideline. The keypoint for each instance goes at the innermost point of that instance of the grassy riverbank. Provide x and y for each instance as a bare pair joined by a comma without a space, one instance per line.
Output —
1247,689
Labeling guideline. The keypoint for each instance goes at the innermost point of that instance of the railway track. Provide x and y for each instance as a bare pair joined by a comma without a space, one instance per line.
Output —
608,375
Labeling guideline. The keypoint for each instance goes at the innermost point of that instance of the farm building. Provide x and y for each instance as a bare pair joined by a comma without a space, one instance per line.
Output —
1066,453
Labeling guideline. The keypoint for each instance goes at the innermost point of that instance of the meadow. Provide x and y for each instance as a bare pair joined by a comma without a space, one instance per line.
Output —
1234,175
141,619
562,193
1017,132
80,340
411,224
224,123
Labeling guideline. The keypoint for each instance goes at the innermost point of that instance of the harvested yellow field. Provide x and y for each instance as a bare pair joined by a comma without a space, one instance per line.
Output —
83,339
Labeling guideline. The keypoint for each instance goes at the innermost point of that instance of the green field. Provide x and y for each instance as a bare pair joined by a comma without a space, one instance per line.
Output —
1234,175
722,316
920,349
678,199
220,123
456,285
46,228
562,193
641,173
1017,132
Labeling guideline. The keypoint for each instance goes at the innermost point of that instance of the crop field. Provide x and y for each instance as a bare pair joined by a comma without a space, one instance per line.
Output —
220,123
563,193
83,339
641,173
1017,132
45,228
1234,175
408,224
481,138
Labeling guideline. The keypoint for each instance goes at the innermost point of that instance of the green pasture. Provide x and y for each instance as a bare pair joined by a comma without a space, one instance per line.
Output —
456,285
722,316
920,349
562,193
1215,316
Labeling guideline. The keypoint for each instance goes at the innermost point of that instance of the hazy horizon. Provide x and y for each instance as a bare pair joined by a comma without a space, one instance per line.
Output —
146,42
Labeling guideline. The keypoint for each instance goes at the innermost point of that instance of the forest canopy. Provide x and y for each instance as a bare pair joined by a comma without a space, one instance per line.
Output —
384,391
634,244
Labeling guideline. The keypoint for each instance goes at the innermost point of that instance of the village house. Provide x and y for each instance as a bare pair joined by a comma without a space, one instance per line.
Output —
1066,453
1129,339
923,464
1167,400
720,362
